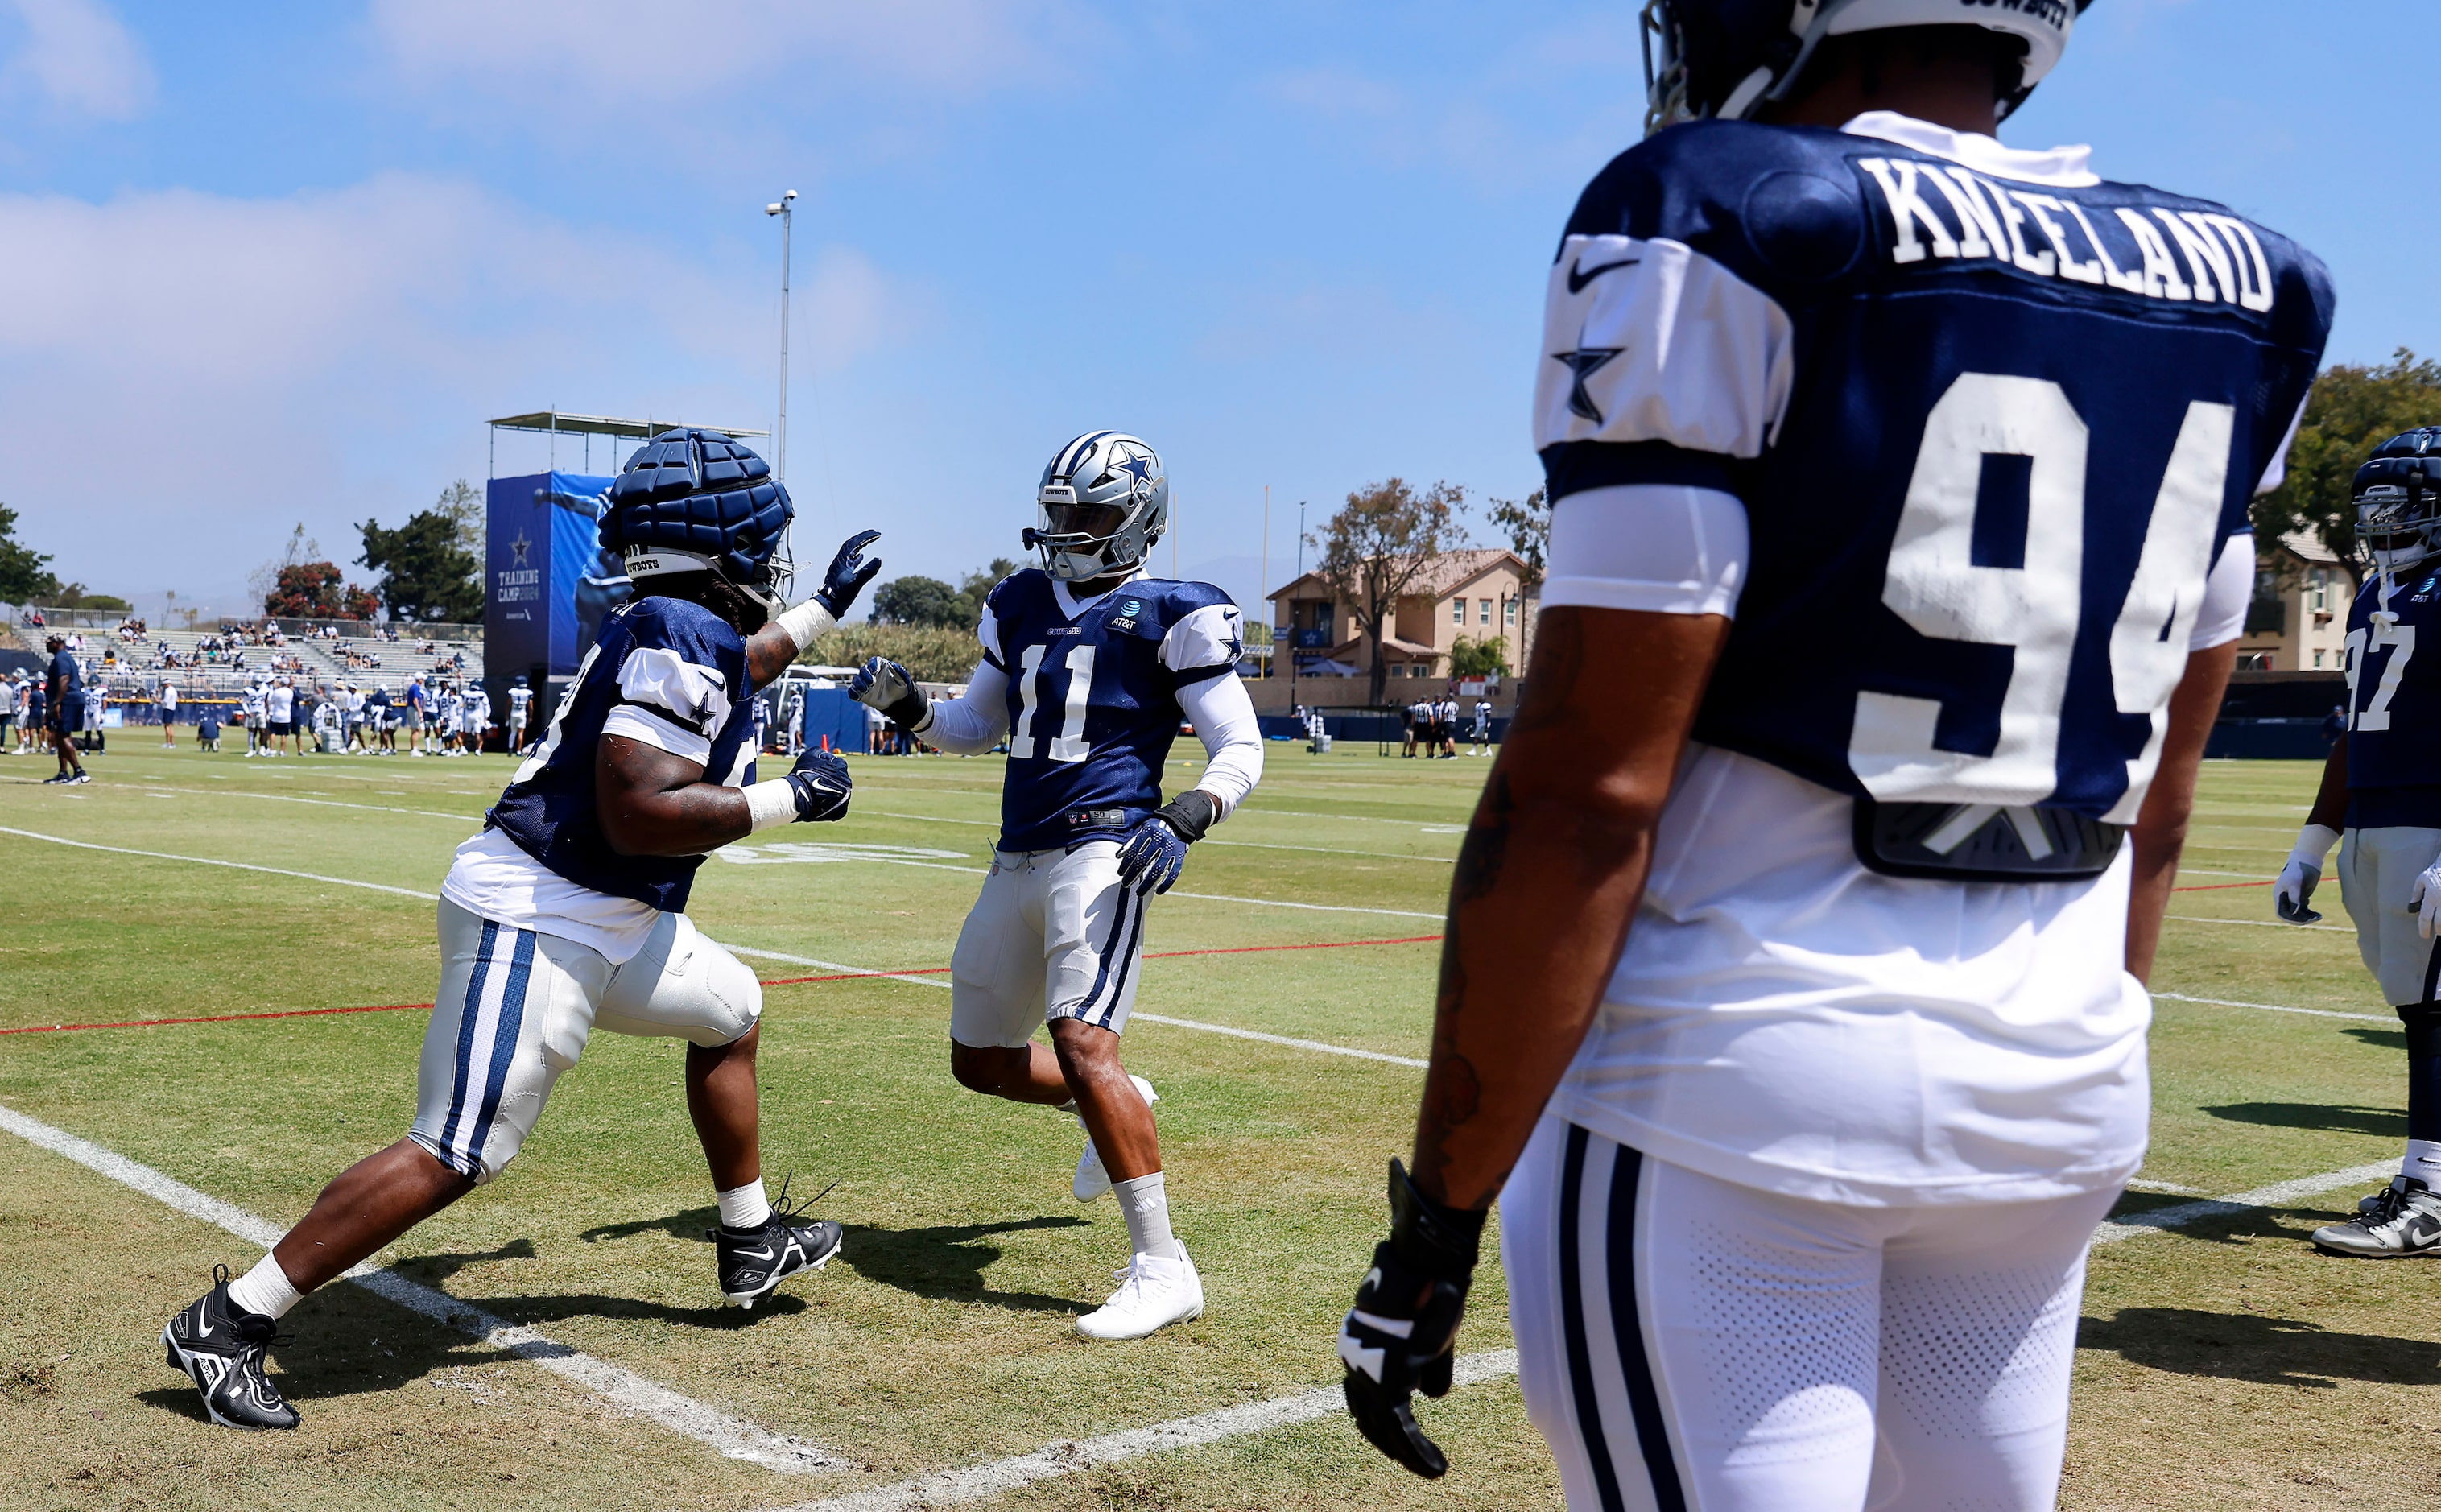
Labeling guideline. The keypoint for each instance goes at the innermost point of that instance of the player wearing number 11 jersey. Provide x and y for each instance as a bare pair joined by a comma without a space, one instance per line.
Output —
1088,664
1793,963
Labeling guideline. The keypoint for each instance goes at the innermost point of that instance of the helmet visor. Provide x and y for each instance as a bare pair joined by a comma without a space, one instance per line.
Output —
1084,523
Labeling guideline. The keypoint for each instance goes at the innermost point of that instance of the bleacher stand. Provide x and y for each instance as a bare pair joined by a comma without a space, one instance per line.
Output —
212,666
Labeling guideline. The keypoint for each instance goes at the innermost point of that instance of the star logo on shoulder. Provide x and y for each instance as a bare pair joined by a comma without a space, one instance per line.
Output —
1583,364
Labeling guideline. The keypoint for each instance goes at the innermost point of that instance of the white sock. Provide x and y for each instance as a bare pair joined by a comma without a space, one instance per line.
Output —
265,1290
2423,1163
745,1206
1146,1202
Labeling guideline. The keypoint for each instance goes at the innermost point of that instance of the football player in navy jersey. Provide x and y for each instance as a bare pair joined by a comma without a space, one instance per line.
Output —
2381,790
1089,663
1792,994
566,913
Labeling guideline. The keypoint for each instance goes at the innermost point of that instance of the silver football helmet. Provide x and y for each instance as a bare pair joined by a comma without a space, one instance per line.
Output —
1102,503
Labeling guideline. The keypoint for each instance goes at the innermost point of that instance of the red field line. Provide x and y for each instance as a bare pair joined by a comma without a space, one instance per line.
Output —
2216,887
771,981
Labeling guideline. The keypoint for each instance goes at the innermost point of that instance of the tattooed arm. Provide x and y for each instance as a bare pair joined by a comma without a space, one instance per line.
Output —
1548,876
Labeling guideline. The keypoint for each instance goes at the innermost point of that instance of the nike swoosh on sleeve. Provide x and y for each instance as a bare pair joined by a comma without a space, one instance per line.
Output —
1579,278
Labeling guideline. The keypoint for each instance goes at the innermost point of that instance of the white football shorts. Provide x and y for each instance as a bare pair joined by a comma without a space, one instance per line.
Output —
1053,936
514,1010
2377,872
1686,1342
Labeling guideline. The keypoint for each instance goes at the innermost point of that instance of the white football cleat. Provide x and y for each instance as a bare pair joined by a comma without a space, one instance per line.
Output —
1091,1180
1153,1293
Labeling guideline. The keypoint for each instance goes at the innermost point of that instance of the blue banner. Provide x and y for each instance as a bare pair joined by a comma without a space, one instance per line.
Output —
548,582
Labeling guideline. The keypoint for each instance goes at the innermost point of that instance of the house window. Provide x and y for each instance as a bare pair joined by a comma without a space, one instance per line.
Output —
2317,658
2317,594
1483,611
1457,611
1508,612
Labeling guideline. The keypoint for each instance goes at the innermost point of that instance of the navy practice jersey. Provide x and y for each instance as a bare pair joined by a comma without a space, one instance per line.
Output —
1092,700
1990,435
666,671
2394,700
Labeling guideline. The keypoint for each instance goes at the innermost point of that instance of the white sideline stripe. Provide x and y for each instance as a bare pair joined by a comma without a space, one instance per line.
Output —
234,866
1152,1019
321,803
2279,1194
2279,1008
2260,923
1246,845
1282,1039
734,1437
981,1481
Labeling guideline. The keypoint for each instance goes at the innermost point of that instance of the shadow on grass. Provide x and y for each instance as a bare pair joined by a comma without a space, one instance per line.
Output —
949,1262
2270,1351
2382,1121
2380,1039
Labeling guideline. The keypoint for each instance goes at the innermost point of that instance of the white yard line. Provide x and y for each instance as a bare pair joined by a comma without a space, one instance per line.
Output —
2260,923
733,1436
322,802
1282,1039
840,966
1246,845
2279,1195
983,1481
2280,1008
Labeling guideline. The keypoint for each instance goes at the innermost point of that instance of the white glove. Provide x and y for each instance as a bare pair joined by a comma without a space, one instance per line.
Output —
2424,899
2295,888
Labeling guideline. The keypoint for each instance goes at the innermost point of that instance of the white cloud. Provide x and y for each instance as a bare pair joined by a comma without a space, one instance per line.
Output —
187,374
78,56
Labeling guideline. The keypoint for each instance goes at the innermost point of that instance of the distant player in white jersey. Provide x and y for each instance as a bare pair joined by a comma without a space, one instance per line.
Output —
1089,663
521,707
2381,790
1792,994
478,717
564,915
256,702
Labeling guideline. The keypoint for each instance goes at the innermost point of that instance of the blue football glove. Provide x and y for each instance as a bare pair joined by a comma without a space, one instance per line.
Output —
848,574
820,785
1397,1339
883,684
1154,850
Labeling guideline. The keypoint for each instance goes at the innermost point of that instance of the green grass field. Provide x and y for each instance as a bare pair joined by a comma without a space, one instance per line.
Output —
2223,1363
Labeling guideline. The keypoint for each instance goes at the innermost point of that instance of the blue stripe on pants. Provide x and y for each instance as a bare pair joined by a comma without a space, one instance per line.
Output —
504,1041
466,1018
1572,1323
1127,963
1643,1397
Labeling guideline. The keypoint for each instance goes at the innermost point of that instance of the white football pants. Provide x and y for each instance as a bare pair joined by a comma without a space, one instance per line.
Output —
1688,1343
2378,871
515,1008
1053,935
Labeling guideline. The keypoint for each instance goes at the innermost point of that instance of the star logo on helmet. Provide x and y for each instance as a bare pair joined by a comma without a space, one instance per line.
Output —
1583,364
1137,468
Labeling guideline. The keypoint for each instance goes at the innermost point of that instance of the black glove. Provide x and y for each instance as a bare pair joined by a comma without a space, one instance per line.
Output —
883,684
1397,1337
822,786
1154,850
849,572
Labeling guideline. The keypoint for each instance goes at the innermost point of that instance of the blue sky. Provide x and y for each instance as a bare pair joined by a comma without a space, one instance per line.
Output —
275,263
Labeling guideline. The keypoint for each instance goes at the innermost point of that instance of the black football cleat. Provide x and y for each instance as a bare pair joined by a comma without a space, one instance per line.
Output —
221,1345
754,1261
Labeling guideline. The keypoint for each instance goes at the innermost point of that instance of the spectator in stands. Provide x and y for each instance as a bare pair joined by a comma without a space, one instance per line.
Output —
167,699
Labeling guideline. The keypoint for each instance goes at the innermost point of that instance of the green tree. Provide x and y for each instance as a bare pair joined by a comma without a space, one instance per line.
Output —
919,601
977,585
25,573
1487,656
932,653
2353,411
427,574
1380,544
463,503
1526,522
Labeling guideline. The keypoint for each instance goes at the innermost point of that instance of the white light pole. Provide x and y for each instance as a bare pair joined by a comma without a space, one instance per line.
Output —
785,209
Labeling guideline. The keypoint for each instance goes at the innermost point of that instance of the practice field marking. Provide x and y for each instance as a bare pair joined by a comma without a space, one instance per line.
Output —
2260,923
1283,1039
883,860
2280,1008
983,1481
2278,1195
734,1437
1243,845
333,803
2217,887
